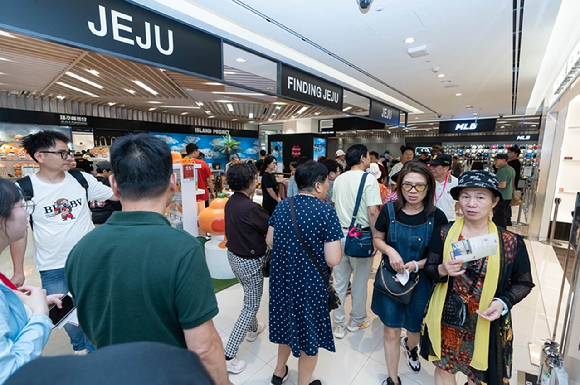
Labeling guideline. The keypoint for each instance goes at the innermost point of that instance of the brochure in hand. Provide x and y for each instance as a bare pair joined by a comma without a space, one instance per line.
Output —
475,248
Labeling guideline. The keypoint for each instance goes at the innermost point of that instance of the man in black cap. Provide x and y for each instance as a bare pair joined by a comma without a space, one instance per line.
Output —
506,178
439,166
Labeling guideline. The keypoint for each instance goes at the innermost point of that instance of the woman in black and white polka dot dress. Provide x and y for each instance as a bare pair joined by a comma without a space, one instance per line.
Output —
299,312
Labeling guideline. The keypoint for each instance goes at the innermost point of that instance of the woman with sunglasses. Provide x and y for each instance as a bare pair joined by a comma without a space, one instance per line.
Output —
24,322
403,231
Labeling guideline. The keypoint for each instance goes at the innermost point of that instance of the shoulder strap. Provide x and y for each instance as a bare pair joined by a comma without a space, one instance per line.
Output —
81,179
358,198
26,187
304,244
252,251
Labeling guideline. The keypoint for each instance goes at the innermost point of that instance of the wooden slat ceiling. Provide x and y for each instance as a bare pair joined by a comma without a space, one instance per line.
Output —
47,69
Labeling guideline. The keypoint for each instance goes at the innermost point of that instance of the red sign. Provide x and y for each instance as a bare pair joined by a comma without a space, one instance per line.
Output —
296,151
188,171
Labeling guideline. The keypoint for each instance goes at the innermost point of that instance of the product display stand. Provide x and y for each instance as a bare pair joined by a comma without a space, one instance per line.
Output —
182,212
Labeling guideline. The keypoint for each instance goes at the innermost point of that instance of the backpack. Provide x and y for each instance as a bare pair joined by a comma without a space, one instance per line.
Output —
28,191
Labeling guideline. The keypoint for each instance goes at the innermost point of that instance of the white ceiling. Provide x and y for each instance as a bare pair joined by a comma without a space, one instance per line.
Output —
470,41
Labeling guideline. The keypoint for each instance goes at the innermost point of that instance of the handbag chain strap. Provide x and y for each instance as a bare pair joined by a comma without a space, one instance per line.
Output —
304,244
252,251
358,199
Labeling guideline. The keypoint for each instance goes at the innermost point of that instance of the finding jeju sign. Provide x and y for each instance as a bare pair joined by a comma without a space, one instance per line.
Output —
301,86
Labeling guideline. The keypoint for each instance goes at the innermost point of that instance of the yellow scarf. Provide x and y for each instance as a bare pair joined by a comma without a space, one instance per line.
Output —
433,317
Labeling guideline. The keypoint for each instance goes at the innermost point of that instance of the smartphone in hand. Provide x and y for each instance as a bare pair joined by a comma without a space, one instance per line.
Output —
56,315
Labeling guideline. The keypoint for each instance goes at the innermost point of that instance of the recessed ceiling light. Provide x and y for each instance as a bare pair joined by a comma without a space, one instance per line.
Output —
279,103
154,102
84,80
111,104
502,126
533,125
317,113
238,93
269,120
251,121
4,59
230,108
229,73
208,112
211,117
162,69
145,87
302,110
416,117
199,103
182,107
346,108
60,97
458,94
278,107
152,109
233,120
4,33
77,89
441,75
241,60
93,72
184,113
132,92
445,81
214,84
410,40
273,114
251,115
502,121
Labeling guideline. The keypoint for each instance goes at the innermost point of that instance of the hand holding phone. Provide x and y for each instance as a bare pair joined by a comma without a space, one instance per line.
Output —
56,314
33,297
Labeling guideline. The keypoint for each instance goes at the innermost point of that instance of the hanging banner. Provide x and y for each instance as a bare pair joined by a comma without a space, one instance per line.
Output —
383,113
308,88
118,28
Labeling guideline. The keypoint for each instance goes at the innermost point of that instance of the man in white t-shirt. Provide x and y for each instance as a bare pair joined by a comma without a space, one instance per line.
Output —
61,218
439,165
344,195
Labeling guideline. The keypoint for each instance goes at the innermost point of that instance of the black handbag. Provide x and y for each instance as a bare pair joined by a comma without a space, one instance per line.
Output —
361,244
454,312
333,299
385,283
266,261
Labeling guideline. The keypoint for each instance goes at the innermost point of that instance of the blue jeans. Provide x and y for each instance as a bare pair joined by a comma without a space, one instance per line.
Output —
54,282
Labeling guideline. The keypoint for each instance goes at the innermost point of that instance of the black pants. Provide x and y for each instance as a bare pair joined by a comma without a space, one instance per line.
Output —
500,213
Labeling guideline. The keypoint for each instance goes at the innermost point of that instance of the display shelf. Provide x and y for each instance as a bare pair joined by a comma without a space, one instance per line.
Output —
182,211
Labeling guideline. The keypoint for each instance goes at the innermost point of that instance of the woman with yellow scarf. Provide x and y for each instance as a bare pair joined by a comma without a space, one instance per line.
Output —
468,324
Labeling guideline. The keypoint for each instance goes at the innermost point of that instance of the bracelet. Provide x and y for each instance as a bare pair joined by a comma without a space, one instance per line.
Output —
416,266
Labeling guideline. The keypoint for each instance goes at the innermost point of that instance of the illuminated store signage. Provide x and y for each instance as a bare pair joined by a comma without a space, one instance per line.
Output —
383,113
523,137
301,86
119,28
467,126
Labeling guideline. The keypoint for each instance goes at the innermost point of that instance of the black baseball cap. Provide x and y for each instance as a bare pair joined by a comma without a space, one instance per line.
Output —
440,160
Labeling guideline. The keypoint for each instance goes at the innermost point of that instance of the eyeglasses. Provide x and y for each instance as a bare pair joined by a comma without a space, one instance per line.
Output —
28,205
63,153
419,187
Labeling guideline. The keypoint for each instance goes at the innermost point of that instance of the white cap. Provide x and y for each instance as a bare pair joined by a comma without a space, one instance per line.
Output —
340,153
374,170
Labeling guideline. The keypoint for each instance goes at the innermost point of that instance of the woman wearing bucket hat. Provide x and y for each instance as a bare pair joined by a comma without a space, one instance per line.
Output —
468,325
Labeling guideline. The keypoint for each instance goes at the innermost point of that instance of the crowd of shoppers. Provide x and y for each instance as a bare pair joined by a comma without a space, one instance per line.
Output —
126,294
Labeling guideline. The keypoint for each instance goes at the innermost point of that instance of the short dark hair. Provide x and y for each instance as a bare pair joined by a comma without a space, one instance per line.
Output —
354,153
310,173
437,149
191,147
515,149
375,154
42,140
262,152
419,168
332,165
301,160
455,157
267,161
201,155
10,194
142,165
104,166
407,148
240,176
293,164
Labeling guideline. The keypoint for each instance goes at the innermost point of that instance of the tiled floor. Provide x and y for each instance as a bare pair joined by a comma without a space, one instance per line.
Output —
359,357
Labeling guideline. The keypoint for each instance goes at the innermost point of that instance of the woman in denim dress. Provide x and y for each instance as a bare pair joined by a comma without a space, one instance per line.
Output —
403,231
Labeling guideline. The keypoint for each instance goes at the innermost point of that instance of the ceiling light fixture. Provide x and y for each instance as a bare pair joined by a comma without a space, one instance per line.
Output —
132,92
346,108
251,121
184,113
214,84
441,75
279,103
76,89
251,115
145,87
317,113
229,73
84,80
4,59
458,94
410,40
278,107
211,117
302,110
93,72
154,102
238,93
4,33
230,107
182,107
469,106
199,103
269,120
502,121
60,97
273,114
233,120
111,104
152,109
241,60
208,112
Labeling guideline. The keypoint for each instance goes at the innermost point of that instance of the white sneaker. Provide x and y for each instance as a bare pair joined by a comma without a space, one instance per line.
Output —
339,332
253,335
83,352
355,328
235,366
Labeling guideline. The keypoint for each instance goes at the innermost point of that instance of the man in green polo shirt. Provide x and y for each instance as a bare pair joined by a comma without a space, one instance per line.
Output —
505,176
135,278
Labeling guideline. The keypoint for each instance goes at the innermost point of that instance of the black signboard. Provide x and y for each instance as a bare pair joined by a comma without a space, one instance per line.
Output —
72,120
308,88
467,126
225,131
119,28
384,113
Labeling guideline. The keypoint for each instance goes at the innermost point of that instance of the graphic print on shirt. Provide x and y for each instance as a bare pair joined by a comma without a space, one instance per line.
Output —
62,207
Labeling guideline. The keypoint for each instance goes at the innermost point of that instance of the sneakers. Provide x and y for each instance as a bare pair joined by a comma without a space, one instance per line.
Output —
339,332
388,381
251,337
412,357
83,352
279,380
355,328
316,382
235,366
